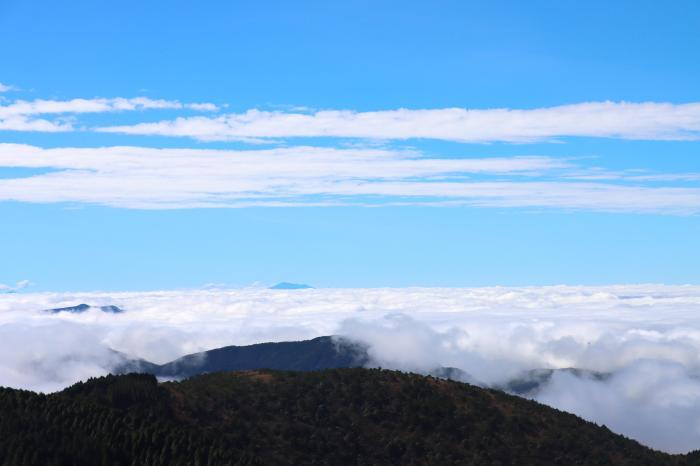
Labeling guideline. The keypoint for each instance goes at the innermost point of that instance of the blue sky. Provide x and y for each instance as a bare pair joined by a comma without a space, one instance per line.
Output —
590,175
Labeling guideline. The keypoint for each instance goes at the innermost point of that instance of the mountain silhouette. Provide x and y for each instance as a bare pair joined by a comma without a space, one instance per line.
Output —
80,308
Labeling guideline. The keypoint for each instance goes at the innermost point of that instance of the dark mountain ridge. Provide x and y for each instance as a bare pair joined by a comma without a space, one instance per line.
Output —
306,355
327,352
80,308
337,416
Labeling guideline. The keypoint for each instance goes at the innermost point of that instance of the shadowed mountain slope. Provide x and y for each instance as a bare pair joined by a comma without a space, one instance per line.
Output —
307,355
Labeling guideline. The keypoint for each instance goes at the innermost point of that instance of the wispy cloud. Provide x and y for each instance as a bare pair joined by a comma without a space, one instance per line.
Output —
146,178
627,120
22,115
20,285
648,120
6,87
118,104
22,123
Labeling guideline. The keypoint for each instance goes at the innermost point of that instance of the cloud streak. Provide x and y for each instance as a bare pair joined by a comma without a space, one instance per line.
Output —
21,115
20,285
625,120
146,178
607,119
645,336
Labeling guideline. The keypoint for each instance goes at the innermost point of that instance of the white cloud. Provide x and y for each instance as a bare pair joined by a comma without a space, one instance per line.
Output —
98,105
20,285
648,120
146,178
22,123
654,401
6,88
204,107
20,115
627,120
646,336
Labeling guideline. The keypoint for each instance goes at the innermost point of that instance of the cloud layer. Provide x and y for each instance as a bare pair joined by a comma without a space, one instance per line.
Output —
626,120
647,337
147,178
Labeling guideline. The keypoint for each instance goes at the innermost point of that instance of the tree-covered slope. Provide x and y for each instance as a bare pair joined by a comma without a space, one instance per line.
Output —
340,416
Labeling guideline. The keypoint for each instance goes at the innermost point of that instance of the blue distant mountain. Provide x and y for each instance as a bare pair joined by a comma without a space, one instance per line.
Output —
80,308
290,286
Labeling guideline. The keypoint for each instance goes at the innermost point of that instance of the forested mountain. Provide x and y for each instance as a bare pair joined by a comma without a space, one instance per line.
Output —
307,355
339,416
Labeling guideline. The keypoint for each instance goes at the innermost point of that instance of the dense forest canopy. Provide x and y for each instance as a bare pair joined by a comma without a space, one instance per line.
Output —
338,416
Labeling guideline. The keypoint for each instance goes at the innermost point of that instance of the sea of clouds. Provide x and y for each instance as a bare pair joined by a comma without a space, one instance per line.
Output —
645,337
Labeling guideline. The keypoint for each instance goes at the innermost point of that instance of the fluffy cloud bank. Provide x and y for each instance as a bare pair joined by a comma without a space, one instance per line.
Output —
648,120
147,178
647,338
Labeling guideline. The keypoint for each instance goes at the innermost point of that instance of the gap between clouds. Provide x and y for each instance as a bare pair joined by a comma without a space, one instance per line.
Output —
147,178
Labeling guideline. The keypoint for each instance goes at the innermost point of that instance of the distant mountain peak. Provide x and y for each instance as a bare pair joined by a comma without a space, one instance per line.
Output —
80,308
290,286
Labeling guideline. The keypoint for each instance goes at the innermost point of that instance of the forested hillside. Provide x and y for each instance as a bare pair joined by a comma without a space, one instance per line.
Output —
340,416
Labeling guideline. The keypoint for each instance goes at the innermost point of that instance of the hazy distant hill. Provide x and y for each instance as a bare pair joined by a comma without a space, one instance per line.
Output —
341,416
80,308
528,383
290,286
